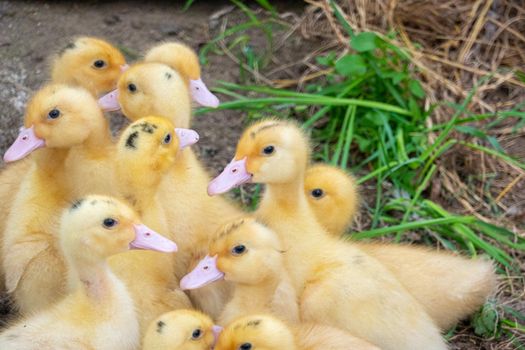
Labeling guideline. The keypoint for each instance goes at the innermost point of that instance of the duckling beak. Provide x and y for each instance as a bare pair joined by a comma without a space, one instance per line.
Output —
203,274
124,67
146,238
109,102
216,332
201,94
187,137
25,143
233,175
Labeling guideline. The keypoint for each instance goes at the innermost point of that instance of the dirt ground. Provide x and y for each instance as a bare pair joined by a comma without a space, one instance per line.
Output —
32,31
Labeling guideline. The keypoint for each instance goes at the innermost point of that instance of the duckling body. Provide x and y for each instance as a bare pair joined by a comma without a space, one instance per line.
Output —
145,153
248,255
31,259
448,287
261,331
181,330
191,214
99,313
10,179
339,285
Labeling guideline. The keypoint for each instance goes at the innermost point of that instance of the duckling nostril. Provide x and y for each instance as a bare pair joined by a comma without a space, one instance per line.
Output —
205,267
148,234
24,138
234,170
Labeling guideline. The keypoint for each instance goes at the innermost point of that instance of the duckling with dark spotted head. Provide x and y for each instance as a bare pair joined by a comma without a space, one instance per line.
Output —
145,153
181,330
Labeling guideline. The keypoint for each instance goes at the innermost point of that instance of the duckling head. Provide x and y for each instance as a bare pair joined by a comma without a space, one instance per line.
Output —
103,226
256,332
91,63
57,116
181,330
271,151
149,147
243,251
332,194
184,60
150,142
150,89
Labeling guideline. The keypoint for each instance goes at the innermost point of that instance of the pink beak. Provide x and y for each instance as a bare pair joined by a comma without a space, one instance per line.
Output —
203,274
146,238
124,68
187,137
109,102
233,175
201,94
25,143
216,332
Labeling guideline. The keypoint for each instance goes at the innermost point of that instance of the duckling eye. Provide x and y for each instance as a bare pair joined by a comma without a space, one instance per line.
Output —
245,346
53,114
317,193
109,222
239,249
167,139
268,150
196,334
132,87
99,64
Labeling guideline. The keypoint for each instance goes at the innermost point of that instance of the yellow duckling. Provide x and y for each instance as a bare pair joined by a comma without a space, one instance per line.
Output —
448,287
185,61
265,332
75,66
181,330
59,120
145,153
99,313
89,62
338,284
250,256
333,196
193,217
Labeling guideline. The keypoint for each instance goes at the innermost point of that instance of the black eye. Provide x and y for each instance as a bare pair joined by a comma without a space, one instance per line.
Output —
99,64
53,114
167,139
196,334
268,150
109,222
238,250
245,346
132,87
317,193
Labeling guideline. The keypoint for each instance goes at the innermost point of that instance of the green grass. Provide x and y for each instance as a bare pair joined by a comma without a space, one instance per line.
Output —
367,115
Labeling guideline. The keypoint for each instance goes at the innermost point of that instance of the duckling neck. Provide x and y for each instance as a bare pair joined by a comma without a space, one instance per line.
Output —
92,279
257,295
49,160
286,199
98,139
